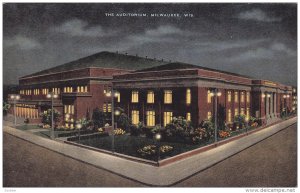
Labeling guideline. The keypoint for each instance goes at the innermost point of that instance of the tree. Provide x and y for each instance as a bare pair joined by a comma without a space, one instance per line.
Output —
47,116
6,107
98,118
123,120
84,122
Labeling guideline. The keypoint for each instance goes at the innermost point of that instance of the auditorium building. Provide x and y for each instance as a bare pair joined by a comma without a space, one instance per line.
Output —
151,91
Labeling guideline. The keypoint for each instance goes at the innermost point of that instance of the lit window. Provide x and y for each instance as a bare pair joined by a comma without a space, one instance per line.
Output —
118,95
208,96
168,97
248,97
229,96
135,117
236,97
236,112
188,96
188,116
242,111
248,113
69,109
135,96
104,108
209,115
167,117
85,89
150,97
68,89
109,107
242,97
150,118
229,115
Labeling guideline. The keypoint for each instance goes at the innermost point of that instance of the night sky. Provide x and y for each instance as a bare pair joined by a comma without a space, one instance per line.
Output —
258,40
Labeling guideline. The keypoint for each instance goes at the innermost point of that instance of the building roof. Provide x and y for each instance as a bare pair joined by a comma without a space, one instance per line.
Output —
104,60
180,65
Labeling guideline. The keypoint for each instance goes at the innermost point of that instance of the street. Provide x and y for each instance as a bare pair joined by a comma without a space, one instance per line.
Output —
272,162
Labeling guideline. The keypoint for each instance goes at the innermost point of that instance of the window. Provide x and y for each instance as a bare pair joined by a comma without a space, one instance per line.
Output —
167,117
248,113
168,97
188,116
188,96
109,107
236,97
104,108
208,96
236,112
248,97
45,91
36,91
81,89
68,89
150,118
209,115
69,109
150,97
242,97
229,96
135,96
229,116
242,111
118,95
135,117
56,90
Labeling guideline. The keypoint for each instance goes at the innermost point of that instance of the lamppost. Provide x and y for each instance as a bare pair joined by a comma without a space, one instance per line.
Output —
215,93
78,126
157,139
112,94
15,98
247,122
52,96
285,97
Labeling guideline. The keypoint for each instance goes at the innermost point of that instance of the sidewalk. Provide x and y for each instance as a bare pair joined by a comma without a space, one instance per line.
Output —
152,175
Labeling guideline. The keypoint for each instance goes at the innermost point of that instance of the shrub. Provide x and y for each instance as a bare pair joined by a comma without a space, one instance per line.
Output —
119,132
98,118
6,107
134,130
151,150
179,127
86,124
239,122
47,115
123,120
204,132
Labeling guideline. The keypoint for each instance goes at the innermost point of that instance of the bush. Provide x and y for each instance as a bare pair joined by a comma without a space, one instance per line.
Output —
179,127
239,122
204,132
47,115
98,118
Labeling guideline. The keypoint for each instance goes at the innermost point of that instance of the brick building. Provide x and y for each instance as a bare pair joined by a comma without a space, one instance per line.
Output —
155,95
149,90
80,85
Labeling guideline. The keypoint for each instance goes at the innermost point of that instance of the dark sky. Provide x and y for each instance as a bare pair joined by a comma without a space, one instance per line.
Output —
258,40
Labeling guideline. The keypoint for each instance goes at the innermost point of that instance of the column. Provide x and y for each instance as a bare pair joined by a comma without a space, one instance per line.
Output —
267,107
275,104
271,106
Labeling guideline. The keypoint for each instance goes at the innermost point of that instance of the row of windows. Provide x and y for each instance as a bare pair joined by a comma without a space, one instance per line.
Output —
150,117
69,109
55,90
168,96
229,114
229,96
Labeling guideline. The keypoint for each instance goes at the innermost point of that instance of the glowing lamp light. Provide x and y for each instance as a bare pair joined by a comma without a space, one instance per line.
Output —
108,94
219,94
212,94
263,95
268,95
284,96
247,119
78,126
287,96
294,108
116,94
158,136
117,112
48,96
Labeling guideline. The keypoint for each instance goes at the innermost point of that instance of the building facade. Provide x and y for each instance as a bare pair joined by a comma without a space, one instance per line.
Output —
150,91
155,95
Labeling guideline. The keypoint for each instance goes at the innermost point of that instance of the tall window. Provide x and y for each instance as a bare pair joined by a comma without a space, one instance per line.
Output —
229,116
236,112
118,95
69,109
135,96
209,115
248,97
188,96
45,91
229,96
248,112
188,117
104,108
236,97
242,97
242,111
68,89
150,97
150,118
168,97
81,88
135,117
56,90
208,96
109,107
167,117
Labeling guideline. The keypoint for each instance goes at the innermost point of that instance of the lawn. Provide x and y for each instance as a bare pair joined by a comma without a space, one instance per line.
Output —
128,145
27,127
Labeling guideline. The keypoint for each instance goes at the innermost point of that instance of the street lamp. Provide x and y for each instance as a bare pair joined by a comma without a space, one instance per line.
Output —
52,96
215,93
15,98
157,139
247,122
78,126
113,94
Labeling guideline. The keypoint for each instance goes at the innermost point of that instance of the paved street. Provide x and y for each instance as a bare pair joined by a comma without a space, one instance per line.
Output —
272,162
